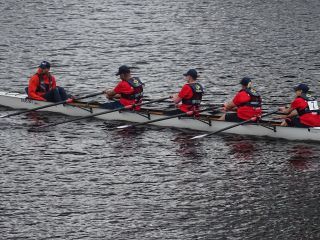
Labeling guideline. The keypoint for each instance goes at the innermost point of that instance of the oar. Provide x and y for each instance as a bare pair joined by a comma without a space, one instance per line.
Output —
51,105
164,118
206,102
234,125
104,112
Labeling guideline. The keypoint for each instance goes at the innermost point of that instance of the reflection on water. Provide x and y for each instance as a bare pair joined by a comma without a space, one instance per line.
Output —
82,181
302,156
187,148
37,119
241,148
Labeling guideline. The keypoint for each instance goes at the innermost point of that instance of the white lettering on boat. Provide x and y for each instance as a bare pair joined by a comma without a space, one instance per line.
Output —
27,100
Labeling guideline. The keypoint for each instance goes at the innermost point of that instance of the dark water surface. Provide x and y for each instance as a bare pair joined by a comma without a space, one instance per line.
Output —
81,181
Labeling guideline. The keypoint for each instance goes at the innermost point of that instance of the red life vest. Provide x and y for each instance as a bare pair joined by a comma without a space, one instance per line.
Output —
44,87
255,98
196,98
137,86
310,100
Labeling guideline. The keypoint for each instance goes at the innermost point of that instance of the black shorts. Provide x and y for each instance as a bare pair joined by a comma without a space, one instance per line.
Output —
112,105
295,122
233,117
174,112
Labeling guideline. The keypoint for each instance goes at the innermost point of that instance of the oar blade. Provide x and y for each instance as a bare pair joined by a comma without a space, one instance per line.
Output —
123,126
199,136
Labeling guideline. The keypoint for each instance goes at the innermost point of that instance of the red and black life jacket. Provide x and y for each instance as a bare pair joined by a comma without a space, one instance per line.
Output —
312,106
44,87
137,86
255,98
196,98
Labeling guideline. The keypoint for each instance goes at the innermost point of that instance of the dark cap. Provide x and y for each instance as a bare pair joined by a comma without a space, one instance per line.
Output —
44,64
245,81
191,72
303,87
123,69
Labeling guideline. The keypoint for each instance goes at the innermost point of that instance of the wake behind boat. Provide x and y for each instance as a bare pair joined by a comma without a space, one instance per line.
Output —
205,122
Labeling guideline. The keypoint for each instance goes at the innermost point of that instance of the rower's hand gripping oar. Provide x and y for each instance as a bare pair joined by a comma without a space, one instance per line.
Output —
234,125
105,112
51,105
190,113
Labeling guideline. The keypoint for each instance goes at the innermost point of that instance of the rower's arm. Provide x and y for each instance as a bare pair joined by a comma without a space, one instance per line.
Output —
230,105
111,94
176,99
54,82
289,112
32,90
292,114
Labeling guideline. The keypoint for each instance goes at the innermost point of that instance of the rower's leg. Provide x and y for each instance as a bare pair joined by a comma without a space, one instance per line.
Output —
287,122
49,96
62,93
296,122
222,118
174,112
112,105
56,95
231,117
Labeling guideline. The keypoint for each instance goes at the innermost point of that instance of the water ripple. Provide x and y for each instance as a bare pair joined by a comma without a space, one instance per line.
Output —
82,181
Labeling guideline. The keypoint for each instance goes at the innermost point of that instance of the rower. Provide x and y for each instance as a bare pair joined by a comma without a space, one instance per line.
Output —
129,90
304,110
190,94
246,103
43,87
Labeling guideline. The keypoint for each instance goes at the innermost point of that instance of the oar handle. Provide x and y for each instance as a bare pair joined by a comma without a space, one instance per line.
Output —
89,96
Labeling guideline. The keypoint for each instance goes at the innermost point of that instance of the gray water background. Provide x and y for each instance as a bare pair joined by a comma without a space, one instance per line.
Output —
81,181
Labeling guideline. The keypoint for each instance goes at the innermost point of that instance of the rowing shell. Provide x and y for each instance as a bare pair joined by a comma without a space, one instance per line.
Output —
206,122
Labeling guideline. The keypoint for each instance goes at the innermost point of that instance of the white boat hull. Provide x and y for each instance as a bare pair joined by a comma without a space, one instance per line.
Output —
20,101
